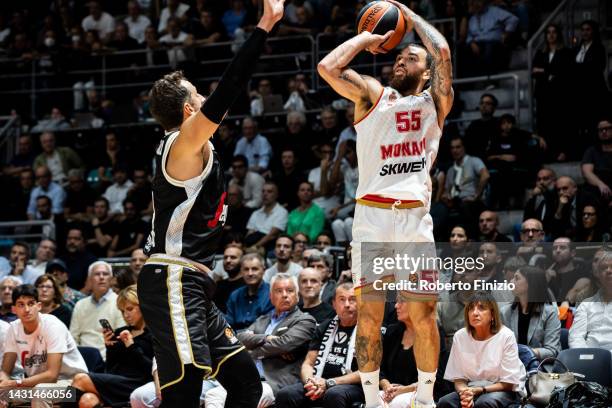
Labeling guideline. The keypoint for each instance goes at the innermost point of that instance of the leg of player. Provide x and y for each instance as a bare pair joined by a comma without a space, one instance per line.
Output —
239,376
368,343
426,348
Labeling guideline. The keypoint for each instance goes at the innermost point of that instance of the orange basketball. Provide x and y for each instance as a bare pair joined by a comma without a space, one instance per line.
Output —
380,17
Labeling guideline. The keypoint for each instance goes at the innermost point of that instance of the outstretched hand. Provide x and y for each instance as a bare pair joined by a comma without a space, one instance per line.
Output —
273,13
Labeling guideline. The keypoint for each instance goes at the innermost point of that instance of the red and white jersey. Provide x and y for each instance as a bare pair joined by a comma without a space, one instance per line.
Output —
397,143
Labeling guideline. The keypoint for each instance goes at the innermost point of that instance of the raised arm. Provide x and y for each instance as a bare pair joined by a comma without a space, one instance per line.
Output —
442,74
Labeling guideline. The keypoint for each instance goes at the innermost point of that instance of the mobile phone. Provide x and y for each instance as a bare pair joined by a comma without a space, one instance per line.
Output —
106,325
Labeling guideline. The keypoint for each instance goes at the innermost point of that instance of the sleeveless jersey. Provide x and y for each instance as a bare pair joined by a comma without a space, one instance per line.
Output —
188,216
397,143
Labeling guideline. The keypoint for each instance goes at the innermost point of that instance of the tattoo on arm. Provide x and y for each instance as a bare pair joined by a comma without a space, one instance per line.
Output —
368,351
345,76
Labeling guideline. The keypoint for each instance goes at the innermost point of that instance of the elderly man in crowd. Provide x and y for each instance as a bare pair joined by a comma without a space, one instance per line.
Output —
531,249
324,265
275,339
45,252
329,373
102,304
310,284
7,285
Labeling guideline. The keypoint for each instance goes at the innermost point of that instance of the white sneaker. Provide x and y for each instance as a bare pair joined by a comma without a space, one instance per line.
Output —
415,404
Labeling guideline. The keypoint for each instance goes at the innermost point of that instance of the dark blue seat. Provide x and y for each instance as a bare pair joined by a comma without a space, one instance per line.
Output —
93,359
594,363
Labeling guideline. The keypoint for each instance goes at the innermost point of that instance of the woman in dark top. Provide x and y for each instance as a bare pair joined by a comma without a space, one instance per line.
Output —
593,226
398,370
51,298
129,358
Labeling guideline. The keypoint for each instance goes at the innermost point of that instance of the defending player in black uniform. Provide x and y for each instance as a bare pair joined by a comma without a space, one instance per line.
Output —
191,338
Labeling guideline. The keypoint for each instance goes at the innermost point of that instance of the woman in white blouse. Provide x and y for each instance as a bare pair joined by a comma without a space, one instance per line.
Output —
484,362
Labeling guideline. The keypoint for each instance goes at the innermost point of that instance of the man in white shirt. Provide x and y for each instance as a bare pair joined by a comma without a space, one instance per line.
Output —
325,192
18,264
102,304
175,9
99,21
117,192
266,223
178,40
44,253
254,146
47,351
249,182
48,188
283,264
136,22
592,325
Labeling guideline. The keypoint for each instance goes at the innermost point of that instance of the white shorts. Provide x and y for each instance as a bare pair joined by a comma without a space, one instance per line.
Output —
411,233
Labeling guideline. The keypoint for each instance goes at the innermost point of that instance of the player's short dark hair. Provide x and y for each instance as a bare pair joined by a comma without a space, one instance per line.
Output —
429,62
493,98
167,97
25,291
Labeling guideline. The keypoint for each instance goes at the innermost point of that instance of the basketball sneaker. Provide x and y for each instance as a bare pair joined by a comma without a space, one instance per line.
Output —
415,404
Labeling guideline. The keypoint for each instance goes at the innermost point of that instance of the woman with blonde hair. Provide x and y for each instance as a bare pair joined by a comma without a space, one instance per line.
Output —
129,356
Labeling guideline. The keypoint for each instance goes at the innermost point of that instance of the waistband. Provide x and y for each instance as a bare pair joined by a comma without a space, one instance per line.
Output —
164,259
373,200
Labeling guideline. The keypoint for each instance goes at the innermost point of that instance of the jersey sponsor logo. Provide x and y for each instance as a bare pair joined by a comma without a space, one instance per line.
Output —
221,211
402,168
408,121
409,148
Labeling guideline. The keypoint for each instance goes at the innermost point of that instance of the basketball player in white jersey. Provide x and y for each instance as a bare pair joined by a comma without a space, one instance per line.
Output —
398,133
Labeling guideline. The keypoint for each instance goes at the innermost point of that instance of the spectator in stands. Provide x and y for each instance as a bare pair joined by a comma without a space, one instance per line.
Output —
307,217
324,265
329,372
58,269
122,279
465,183
329,128
300,243
298,136
247,303
7,286
487,225
56,121
129,355
597,162
237,214
511,265
21,196
489,29
326,195
99,21
4,329
301,98
137,23
114,155
103,228
569,208
234,279
235,17
79,203
154,54
24,159
45,252
175,9
102,304
176,40
484,363
263,91
130,233
592,325
565,271
323,240
59,160
137,261
552,66
310,284
345,172
593,227
268,221
117,192
52,355
590,63
48,188
349,132
208,29
51,298
480,131
254,147
140,192
283,264
533,320
56,229
542,199
250,182
451,311
491,262
532,237
17,265
288,178
284,331
303,24
121,41
77,258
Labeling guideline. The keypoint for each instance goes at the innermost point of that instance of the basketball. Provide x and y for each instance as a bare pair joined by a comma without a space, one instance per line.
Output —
380,17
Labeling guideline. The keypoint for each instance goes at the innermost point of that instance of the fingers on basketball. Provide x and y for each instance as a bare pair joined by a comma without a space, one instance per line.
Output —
382,17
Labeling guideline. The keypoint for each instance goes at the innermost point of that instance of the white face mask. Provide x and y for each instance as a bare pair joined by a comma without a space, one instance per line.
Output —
49,42
76,38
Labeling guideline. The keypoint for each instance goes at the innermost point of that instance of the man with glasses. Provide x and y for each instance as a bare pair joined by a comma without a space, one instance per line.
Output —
249,182
47,188
597,162
530,249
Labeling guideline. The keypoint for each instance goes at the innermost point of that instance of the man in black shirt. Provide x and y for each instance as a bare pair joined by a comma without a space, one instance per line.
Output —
231,265
479,133
565,270
102,228
77,259
487,225
309,281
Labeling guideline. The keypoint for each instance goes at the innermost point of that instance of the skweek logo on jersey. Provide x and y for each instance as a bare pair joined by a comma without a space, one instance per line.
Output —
403,168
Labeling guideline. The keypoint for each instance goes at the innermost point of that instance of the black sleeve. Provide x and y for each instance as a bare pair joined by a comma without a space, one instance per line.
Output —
140,353
315,343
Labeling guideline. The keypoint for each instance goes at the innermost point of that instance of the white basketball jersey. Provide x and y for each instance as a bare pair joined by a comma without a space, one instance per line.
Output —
397,143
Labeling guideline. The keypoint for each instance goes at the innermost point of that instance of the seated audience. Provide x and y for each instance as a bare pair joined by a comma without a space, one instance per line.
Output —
597,162
52,355
51,298
487,225
531,247
247,303
237,214
283,264
324,265
122,279
288,178
46,187
532,318
565,271
542,199
480,131
309,281
7,286
593,226
300,242
45,252
569,207
137,261
102,304
77,258
329,373
58,269
484,362
17,265
308,217
267,222
130,232
324,240
129,354
250,182
282,332
57,160
234,279
117,192
345,173
254,147
103,228
79,202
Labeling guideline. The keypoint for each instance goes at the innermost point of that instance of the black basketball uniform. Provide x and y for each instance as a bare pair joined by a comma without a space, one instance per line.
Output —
176,297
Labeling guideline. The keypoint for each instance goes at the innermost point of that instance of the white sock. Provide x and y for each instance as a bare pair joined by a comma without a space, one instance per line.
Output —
369,383
424,391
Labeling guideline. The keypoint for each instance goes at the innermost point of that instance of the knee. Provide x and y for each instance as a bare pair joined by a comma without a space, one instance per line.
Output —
88,400
80,380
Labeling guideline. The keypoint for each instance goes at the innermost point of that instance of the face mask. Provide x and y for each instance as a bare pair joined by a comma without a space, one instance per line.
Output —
76,38
49,42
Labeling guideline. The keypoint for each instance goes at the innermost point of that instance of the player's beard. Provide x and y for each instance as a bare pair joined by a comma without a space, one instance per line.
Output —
406,83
